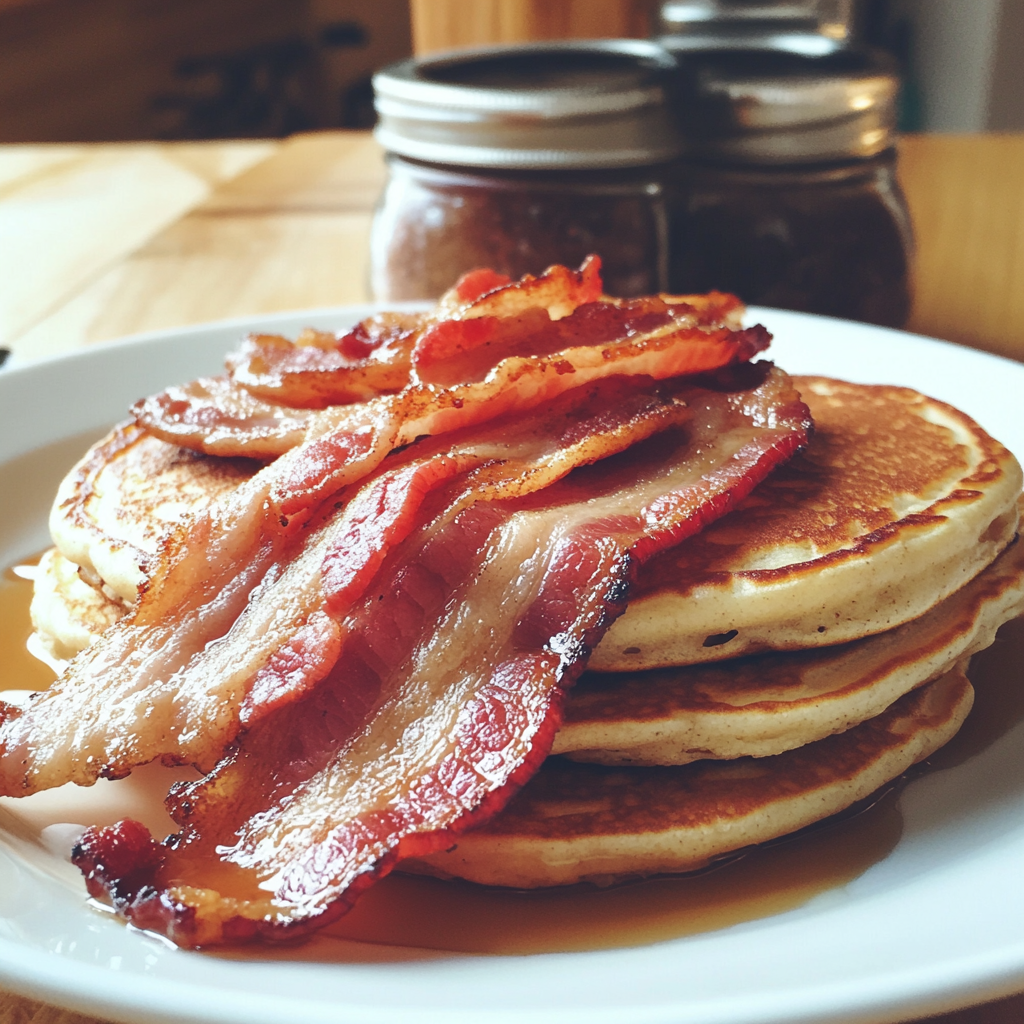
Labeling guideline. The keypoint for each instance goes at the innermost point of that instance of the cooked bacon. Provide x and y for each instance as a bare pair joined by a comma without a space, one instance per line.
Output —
197,660
463,351
263,407
447,689
219,417
510,345
516,384
320,369
558,290
376,356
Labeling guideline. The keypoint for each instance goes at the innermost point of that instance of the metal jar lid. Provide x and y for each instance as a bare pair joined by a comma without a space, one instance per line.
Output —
810,27
585,104
784,108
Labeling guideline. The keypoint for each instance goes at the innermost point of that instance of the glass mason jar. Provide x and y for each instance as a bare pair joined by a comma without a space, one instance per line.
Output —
435,222
515,158
788,196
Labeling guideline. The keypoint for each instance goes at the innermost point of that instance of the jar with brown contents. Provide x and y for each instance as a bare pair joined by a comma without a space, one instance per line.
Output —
789,195
515,158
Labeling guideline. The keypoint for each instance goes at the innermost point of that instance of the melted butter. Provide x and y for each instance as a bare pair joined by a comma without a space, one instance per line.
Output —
404,916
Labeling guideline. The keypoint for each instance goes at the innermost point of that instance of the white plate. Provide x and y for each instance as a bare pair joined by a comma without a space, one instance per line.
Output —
936,924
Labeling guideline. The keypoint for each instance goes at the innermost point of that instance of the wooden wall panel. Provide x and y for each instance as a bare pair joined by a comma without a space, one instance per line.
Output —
966,198
443,24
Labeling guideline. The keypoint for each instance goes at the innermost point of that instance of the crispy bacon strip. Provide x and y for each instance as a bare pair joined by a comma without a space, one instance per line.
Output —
219,417
447,689
160,686
517,384
511,344
320,369
463,351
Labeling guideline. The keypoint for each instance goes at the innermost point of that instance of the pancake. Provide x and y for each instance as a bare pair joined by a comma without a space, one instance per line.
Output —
884,538
582,822
114,508
898,501
68,613
765,704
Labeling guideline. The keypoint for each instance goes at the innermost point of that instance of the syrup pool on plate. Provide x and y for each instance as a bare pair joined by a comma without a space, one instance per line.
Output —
458,917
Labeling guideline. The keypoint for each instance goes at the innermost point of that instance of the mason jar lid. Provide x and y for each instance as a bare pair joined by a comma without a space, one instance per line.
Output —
580,104
809,27
785,108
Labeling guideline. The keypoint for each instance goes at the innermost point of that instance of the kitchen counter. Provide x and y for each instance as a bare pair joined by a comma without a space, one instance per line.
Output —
100,241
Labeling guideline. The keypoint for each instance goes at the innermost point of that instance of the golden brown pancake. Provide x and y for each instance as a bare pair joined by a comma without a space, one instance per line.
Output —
898,501
115,506
765,704
583,822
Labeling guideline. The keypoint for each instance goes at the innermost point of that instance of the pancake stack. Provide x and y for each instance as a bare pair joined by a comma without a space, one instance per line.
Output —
797,655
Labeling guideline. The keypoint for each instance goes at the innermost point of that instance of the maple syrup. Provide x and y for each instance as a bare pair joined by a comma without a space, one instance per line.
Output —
406,916
19,670
463,917
27,486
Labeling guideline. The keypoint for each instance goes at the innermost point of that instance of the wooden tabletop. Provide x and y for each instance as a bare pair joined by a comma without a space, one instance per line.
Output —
100,241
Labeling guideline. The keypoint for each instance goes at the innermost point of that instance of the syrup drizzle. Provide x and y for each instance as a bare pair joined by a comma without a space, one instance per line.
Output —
766,880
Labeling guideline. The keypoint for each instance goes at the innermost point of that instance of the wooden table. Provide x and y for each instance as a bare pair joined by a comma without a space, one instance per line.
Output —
102,241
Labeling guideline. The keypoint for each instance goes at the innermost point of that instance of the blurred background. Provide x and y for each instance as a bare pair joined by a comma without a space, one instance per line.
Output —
107,70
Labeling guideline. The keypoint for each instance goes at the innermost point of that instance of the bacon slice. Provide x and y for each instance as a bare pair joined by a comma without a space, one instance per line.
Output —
558,290
458,351
320,369
196,662
219,417
519,383
516,345
447,690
